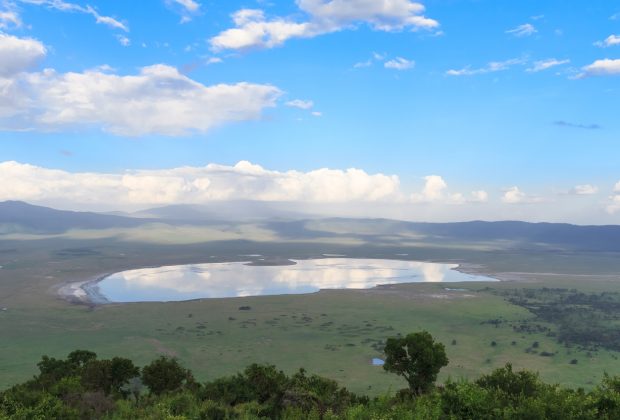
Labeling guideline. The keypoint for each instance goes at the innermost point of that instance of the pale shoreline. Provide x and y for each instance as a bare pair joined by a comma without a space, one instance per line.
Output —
84,292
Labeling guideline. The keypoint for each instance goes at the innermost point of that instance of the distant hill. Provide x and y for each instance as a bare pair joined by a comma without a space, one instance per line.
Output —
225,211
520,234
17,216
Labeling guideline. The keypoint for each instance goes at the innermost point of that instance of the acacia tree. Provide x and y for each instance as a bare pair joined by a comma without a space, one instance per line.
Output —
417,358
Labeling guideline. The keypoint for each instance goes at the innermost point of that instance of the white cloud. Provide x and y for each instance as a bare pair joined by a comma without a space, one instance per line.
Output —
300,103
526,29
479,196
546,64
435,191
214,60
474,197
585,189
384,15
614,205
513,195
316,113
253,30
379,57
399,63
375,57
189,5
434,187
186,8
9,18
18,54
491,67
605,67
610,41
72,7
106,20
157,100
123,40
244,181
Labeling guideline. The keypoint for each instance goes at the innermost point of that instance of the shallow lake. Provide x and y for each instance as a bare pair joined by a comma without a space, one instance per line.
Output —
235,279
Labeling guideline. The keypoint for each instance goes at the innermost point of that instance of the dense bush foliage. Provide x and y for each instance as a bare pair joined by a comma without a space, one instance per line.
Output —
85,387
588,320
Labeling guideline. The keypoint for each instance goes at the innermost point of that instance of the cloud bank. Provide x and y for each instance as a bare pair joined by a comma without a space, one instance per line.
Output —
336,192
198,185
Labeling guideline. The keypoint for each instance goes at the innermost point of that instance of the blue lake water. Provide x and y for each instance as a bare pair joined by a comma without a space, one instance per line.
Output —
235,279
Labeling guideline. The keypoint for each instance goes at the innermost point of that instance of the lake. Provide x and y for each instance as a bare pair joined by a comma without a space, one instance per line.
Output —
236,279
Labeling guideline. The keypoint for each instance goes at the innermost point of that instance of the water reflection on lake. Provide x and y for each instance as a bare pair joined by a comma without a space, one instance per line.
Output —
233,279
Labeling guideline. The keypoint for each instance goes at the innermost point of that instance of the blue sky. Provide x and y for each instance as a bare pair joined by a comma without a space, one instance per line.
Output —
516,99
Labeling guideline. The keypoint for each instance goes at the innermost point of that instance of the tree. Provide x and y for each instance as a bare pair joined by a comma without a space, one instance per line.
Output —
109,376
79,358
417,358
164,374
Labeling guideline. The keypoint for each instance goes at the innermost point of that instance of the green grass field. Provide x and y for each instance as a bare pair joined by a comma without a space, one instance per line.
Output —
332,333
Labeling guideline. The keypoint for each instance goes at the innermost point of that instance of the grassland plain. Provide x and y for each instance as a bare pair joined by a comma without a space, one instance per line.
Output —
332,333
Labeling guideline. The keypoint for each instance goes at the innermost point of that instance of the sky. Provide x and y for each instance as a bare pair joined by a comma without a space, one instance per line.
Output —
435,110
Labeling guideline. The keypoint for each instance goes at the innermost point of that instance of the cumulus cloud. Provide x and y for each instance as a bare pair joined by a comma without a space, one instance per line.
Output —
435,191
492,67
546,64
399,63
72,7
434,188
254,30
385,15
614,200
605,67
18,55
300,103
157,100
513,195
198,185
610,41
584,189
526,29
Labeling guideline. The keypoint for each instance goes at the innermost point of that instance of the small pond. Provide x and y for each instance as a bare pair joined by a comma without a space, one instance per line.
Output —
235,279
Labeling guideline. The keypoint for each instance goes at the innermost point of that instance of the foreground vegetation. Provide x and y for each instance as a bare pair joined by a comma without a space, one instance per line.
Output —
85,387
